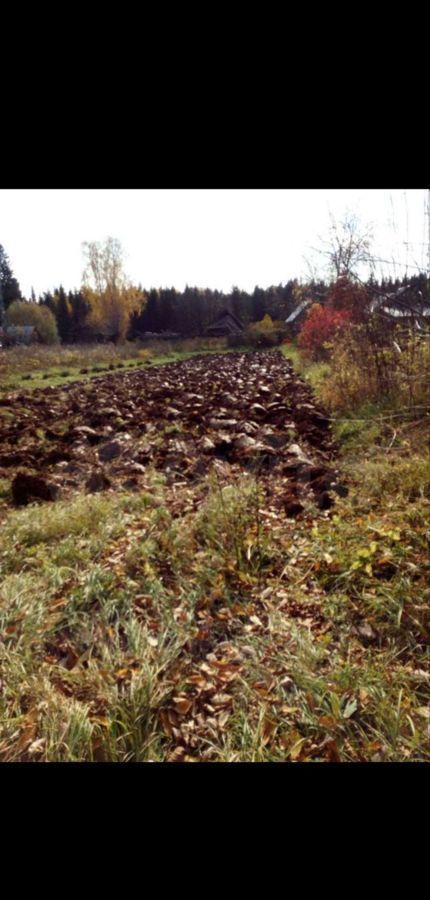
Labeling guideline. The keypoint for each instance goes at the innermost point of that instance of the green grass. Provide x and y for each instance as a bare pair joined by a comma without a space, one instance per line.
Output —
313,372
5,489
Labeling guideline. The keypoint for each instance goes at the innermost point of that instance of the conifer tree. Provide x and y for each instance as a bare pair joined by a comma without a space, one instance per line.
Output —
10,289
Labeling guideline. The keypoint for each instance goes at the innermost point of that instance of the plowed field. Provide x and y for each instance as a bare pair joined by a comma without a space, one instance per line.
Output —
249,410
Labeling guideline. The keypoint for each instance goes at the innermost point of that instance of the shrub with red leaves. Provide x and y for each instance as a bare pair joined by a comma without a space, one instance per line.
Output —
321,325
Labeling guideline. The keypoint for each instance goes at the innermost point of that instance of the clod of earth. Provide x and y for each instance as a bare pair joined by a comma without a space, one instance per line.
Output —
27,488
97,481
292,507
110,451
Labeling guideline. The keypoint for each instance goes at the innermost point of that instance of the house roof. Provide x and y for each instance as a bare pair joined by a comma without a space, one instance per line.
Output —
21,334
20,330
158,334
296,312
227,320
228,314
397,313
398,306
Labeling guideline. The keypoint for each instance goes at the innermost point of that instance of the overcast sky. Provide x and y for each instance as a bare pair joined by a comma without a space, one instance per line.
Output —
204,238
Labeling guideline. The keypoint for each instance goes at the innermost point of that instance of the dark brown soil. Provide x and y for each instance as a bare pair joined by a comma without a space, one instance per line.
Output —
249,411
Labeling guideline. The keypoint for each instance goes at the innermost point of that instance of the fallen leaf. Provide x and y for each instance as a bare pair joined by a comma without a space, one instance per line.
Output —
268,731
122,674
331,750
221,699
327,722
101,720
177,755
36,746
29,731
296,749
223,718
182,705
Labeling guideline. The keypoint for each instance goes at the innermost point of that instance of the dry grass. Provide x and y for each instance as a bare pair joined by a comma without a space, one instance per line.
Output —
105,602
26,368
36,358
198,624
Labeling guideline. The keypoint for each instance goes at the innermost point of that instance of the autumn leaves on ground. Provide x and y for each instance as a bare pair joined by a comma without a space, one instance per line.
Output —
198,565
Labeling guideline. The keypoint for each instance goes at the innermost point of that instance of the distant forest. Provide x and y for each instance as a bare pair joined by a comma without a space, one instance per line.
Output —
189,312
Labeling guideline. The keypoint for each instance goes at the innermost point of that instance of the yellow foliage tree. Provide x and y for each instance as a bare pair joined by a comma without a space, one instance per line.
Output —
266,324
111,296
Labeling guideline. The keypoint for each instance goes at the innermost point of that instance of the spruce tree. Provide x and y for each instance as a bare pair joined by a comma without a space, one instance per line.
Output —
9,286
63,315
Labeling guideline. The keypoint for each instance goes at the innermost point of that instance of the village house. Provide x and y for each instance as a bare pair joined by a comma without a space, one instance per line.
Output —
157,335
402,308
226,325
12,335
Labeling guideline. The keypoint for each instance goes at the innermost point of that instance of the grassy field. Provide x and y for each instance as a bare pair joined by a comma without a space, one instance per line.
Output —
26,368
193,622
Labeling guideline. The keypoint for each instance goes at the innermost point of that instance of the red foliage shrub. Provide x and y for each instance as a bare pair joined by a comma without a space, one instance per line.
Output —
320,326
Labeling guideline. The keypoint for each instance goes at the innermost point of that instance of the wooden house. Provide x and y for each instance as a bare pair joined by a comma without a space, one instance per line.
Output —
158,336
13,335
226,325
403,308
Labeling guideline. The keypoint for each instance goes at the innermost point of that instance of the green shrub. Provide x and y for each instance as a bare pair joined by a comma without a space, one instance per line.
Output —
263,334
20,312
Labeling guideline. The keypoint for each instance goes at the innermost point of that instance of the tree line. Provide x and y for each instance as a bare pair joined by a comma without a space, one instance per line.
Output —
108,307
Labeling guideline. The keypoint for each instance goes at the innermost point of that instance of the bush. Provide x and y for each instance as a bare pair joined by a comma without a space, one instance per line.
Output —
145,355
20,312
364,370
263,339
262,334
321,325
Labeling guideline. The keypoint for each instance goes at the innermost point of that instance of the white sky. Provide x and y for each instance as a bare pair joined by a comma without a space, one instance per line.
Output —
204,238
